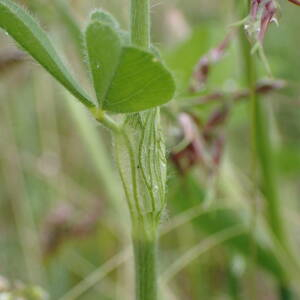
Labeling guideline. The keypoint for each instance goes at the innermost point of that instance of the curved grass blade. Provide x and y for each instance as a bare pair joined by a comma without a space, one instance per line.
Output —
27,32
104,49
141,82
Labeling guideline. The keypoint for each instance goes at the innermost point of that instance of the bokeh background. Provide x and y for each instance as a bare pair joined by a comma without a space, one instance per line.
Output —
63,219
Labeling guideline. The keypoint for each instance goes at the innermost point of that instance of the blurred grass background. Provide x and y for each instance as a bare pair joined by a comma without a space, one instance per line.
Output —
63,220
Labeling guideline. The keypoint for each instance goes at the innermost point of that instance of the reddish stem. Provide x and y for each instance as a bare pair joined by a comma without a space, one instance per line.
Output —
297,2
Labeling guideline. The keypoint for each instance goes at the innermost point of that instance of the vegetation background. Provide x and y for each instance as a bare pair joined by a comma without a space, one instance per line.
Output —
63,219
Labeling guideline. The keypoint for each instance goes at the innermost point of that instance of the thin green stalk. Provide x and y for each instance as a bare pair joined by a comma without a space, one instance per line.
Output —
249,70
145,256
262,145
105,120
263,163
140,23
250,79
144,228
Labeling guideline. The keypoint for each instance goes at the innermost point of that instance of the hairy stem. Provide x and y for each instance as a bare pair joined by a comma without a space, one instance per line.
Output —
140,23
145,252
145,227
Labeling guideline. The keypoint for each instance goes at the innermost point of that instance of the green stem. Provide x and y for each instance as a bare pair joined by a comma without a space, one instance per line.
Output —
263,154
140,23
105,120
144,231
262,146
145,252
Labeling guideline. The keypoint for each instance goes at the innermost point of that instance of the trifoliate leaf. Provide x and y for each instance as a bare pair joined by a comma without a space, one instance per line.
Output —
126,79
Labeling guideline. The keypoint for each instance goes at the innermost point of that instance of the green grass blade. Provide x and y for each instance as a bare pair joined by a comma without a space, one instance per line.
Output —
26,31
104,49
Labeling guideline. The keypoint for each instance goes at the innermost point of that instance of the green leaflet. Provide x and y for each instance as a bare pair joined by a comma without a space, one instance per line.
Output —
126,79
105,18
141,82
104,49
26,31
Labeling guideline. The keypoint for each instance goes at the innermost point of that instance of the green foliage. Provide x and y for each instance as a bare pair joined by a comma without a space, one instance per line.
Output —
26,31
188,193
39,139
104,49
126,79
140,82
183,58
